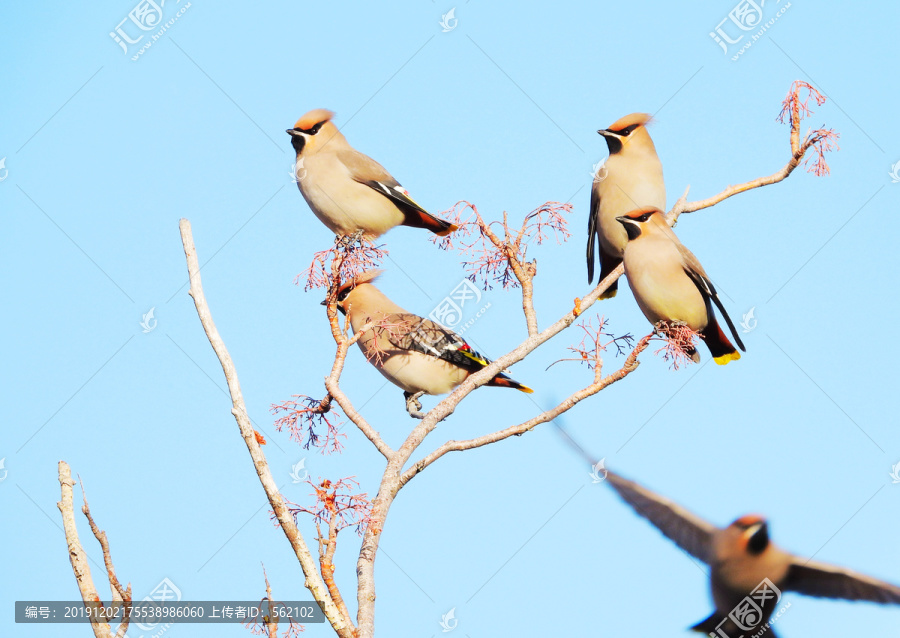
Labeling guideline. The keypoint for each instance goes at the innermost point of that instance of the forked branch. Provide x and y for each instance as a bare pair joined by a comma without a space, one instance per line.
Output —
79,560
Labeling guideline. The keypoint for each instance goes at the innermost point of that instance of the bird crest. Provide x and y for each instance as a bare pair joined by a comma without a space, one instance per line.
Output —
642,119
749,520
312,118
366,277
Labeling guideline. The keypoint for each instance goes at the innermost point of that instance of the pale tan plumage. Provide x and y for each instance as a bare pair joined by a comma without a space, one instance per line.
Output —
669,284
741,556
350,192
413,353
631,177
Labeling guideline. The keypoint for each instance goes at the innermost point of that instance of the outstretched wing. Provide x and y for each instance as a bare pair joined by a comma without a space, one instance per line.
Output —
827,581
690,532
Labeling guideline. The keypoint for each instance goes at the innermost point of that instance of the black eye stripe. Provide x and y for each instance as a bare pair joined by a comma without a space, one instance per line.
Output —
313,130
628,130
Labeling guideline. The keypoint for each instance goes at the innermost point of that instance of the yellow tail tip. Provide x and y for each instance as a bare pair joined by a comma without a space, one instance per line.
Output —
525,389
609,294
451,229
725,358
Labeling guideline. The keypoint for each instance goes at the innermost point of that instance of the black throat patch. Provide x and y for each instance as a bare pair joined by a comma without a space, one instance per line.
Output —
759,541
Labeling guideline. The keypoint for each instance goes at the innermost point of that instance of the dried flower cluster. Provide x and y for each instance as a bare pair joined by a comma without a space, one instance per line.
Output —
304,415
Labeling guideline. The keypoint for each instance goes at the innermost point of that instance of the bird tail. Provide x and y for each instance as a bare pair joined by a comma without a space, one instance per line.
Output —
708,625
608,264
719,346
504,381
421,219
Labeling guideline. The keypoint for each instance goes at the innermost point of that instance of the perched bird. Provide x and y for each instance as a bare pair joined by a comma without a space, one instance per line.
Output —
414,353
669,284
741,557
632,177
350,192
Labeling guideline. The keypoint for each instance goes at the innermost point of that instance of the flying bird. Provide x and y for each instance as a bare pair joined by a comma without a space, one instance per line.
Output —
632,177
741,557
349,192
415,354
669,284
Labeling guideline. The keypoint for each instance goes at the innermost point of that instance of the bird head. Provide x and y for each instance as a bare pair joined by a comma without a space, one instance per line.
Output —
344,291
753,533
630,131
310,125
639,220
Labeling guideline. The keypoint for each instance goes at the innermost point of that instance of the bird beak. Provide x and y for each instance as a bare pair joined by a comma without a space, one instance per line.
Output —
623,220
324,302
605,132
293,132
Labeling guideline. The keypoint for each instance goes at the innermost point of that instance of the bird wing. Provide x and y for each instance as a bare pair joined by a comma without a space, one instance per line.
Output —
426,336
690,532
593,231
695,271
365,170
828,581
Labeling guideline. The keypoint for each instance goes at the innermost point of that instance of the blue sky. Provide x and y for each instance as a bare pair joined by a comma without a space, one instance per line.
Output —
105,154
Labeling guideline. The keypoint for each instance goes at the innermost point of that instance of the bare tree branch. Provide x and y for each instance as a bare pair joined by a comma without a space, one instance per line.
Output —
600,383
331,381
342,625
79,560
118,594
392,482
821,140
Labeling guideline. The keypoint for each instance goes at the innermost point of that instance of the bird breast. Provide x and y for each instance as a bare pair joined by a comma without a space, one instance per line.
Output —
661,287
630,183
343,204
